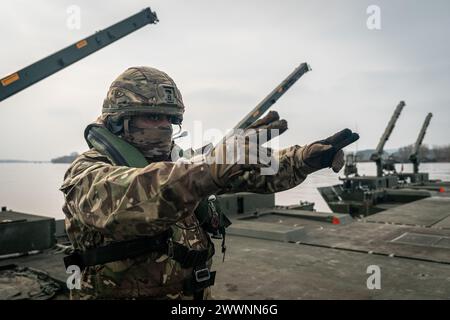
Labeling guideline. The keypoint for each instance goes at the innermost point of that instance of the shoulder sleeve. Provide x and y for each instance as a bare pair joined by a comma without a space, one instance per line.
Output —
288,173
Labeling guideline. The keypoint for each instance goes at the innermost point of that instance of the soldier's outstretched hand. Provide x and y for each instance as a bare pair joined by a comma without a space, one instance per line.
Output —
328,153
243,150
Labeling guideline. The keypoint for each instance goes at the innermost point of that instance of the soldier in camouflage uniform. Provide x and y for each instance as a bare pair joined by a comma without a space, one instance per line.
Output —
108,204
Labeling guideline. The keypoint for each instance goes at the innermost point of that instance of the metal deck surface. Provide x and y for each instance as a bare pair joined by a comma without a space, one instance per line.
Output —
382,239
429,212
263,269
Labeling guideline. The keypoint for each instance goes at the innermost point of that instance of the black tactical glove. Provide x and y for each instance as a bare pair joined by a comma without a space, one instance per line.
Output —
230,165
327,153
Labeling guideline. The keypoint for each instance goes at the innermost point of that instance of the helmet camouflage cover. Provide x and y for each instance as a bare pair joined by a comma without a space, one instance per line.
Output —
141,90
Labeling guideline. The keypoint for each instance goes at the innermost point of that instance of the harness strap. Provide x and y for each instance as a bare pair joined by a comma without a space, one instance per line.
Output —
122,250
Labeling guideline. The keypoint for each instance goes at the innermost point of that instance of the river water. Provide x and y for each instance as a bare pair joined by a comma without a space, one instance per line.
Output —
33,187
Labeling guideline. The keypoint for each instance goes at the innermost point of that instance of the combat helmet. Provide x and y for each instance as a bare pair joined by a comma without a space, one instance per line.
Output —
141,90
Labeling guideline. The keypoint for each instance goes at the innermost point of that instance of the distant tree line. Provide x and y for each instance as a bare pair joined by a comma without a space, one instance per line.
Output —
65,159
426,153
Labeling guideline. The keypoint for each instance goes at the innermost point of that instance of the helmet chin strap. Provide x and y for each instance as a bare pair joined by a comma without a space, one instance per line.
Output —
179,130
126,127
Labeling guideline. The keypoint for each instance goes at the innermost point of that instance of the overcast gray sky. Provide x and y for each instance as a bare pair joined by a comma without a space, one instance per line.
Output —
225,56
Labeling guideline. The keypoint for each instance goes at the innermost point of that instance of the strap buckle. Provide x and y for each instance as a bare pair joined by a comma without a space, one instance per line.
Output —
189,258
202,275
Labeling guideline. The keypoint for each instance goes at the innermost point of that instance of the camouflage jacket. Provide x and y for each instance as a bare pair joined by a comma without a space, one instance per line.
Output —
105,203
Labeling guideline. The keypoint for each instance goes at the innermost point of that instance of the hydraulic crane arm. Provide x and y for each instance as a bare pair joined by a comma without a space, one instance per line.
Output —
272,97
41,69
260,108
414,157
376,156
